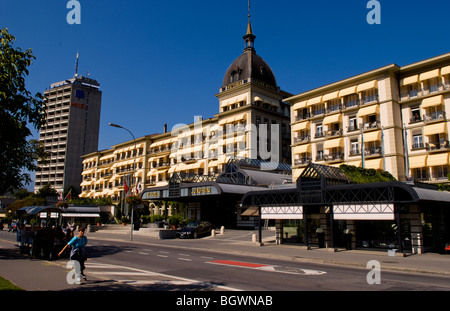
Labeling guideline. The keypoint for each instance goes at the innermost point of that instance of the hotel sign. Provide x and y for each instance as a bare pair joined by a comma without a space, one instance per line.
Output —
151,195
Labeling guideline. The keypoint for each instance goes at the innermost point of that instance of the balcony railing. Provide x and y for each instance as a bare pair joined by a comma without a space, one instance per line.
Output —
371,125
334,157
370,151
436,115
302,161
302,139
334,108
303,116
438,145
333,133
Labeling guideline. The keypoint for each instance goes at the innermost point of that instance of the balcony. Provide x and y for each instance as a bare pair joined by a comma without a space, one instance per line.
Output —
436,115
372,151
334,133
302,161
303,116
339,156
302,139
351,103
369,99
372,125
319,134
334,108
441,144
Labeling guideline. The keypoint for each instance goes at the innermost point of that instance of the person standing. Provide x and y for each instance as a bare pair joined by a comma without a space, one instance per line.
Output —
78,252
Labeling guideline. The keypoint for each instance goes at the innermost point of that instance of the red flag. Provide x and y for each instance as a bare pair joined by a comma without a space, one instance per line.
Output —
125,187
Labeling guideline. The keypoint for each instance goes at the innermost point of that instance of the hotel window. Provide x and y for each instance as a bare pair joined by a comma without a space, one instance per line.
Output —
415,114
319,154
352,123
351,100
370,96
433,85
318,109
420,173
413,89
417,141
354,147
439,172
319,130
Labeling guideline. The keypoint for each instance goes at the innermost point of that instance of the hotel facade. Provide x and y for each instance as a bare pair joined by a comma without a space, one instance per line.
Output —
391,118
253,123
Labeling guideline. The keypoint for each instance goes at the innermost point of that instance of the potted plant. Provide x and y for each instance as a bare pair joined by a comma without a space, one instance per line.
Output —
62,204
134,200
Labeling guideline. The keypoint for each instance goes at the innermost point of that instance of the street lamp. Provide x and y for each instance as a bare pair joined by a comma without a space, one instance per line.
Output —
134,172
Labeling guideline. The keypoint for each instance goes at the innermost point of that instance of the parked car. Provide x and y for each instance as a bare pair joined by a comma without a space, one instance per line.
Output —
195,229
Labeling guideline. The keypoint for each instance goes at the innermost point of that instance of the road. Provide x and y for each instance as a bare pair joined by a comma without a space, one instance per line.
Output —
155,266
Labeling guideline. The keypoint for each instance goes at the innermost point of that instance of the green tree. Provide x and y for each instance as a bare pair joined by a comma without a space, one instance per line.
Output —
18,108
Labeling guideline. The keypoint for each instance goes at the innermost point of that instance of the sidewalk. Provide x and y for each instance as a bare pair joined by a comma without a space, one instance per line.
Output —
240,242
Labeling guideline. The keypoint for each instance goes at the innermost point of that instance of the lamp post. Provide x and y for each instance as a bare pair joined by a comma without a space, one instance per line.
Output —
134,172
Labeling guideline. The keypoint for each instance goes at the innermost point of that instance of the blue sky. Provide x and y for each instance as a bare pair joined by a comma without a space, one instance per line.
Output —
164,61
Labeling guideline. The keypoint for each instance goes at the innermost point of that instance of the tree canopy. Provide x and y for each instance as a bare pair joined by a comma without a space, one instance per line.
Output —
18,110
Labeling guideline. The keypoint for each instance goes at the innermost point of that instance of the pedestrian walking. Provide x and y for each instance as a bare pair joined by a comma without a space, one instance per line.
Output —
78,253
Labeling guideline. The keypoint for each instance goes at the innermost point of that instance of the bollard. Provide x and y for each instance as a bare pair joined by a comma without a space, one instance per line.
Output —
213,232
222,230
254,238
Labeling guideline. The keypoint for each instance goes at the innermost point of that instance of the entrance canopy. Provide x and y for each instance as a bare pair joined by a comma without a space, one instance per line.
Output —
324,186
33,210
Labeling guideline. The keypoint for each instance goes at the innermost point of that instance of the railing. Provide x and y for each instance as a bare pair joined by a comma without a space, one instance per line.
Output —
434,116
351,103
437,145
333,133
376,150
302,139
302,161
334,157
303,116
372,125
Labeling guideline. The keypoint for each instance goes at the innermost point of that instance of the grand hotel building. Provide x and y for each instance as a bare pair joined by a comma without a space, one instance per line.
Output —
391,118
249,98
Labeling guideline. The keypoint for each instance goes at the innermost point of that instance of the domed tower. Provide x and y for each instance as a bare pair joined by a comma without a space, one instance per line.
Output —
250,96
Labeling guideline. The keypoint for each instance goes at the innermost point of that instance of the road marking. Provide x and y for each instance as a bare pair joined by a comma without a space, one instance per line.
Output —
185,259
268,268
238,263
164,256
206,257
184,255
143,253
160,277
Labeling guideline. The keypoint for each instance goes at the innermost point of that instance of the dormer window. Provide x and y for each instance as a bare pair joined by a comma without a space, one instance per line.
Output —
235,74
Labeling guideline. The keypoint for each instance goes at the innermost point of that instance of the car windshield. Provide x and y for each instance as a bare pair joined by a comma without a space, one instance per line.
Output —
192,225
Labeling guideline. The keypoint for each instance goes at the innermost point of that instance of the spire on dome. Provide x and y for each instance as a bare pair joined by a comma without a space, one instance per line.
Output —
249,38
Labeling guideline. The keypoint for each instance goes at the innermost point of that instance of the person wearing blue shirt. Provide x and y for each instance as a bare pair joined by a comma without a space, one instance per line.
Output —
78,252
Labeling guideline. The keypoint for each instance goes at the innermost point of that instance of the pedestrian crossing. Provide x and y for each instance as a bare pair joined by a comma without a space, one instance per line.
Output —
149,280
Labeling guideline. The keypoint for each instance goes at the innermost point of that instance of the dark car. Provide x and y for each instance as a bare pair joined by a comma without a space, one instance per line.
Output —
195,229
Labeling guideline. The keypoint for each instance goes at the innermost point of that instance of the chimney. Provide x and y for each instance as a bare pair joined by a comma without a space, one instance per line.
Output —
165,128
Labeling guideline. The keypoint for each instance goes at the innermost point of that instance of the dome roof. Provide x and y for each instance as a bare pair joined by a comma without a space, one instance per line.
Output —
249,65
